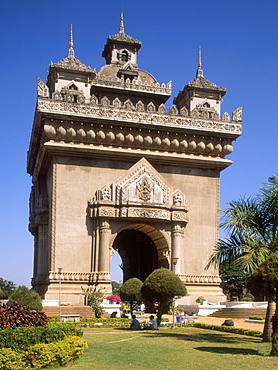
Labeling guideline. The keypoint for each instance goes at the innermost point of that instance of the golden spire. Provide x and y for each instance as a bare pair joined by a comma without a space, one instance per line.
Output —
71,51
122,29
200,72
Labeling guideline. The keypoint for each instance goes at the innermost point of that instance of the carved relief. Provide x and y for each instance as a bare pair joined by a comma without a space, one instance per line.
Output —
151,107
177,199
204,111
127,185
42,89
173,110
162,109
149,213
226,117
140,106
144,189
237,114
184,111
141,185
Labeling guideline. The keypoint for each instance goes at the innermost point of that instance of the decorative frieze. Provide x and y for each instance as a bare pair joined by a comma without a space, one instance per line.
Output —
173,119
135,85
85,277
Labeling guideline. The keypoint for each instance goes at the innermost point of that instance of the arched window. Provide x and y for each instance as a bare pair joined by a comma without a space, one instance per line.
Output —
73,87
124,56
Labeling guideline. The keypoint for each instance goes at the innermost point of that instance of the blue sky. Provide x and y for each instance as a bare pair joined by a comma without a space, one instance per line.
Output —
239,43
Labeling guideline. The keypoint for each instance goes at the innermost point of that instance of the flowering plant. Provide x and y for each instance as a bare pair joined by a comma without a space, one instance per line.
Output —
114,298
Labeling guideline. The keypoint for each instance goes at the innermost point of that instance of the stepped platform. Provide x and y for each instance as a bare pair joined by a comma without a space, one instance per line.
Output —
238,313
82,311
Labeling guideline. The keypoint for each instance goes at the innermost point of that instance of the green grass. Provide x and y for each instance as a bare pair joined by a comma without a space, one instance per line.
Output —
172,349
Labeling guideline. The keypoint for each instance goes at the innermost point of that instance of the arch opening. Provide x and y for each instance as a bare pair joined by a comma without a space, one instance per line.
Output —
138,253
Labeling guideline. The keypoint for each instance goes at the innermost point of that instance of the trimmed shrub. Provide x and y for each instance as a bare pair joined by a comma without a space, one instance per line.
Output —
228,329
26,297
257,317
23,338
11,360
41,355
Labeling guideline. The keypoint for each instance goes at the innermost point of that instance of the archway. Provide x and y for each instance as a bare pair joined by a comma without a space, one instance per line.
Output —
138,253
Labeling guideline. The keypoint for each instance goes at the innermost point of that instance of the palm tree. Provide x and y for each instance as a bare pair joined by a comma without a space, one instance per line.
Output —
251,227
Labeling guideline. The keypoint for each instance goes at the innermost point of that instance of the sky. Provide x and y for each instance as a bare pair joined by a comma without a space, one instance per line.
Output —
239,51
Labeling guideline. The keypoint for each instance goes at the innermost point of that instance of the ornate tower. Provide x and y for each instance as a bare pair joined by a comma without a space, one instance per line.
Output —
113,170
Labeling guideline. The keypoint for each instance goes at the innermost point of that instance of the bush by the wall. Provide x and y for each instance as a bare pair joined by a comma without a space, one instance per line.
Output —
23,338
41,355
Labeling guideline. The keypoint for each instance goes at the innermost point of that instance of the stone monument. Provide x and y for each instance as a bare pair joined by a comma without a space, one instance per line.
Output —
114,170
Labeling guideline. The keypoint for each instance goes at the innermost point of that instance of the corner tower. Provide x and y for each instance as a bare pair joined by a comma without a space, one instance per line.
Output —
114,170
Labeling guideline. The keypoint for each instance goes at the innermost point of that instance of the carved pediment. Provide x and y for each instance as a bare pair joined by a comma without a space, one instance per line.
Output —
143,184
141,193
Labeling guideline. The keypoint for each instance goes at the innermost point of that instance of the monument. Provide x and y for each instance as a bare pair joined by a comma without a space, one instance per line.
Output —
114,170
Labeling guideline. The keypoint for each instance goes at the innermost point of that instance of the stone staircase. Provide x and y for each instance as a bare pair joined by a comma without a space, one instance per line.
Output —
82,311
238,313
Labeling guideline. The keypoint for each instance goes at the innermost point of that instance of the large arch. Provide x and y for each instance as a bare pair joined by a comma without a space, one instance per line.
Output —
140,247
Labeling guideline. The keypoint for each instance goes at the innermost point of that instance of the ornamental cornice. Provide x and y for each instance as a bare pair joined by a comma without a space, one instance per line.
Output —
126,137
200,279
126,116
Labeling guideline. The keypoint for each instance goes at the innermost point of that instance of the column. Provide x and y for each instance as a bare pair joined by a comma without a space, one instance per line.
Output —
104,253
42,267
177,235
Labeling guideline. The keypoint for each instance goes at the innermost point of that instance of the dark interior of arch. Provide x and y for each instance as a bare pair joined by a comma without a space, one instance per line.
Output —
138,253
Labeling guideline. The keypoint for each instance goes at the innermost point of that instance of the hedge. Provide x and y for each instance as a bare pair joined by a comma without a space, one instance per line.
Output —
20,339
228,329
41,355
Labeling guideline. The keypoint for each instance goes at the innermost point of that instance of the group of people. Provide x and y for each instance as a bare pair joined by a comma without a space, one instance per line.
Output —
135,324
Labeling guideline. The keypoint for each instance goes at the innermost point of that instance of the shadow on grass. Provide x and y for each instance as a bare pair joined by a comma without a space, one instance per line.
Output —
218,337
230,351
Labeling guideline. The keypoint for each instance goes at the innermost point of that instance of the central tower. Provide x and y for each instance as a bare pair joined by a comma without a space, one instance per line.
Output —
114,170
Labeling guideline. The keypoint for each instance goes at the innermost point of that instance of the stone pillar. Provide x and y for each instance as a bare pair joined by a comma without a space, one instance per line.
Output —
104,253
177,235
42,249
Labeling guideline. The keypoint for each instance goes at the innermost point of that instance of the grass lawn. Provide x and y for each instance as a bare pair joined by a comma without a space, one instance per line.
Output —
172,349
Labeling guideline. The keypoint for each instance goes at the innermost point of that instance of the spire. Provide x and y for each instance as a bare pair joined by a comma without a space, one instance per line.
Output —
122,29
200,72
71,51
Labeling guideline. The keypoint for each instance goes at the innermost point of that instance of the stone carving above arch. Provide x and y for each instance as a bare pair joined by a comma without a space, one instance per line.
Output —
141,193
142,184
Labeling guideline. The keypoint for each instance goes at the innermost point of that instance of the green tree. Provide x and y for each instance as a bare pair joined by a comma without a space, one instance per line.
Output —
233,279
268,274
116,287
162,286
130,292
94,299
7,287
252,235
26,297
